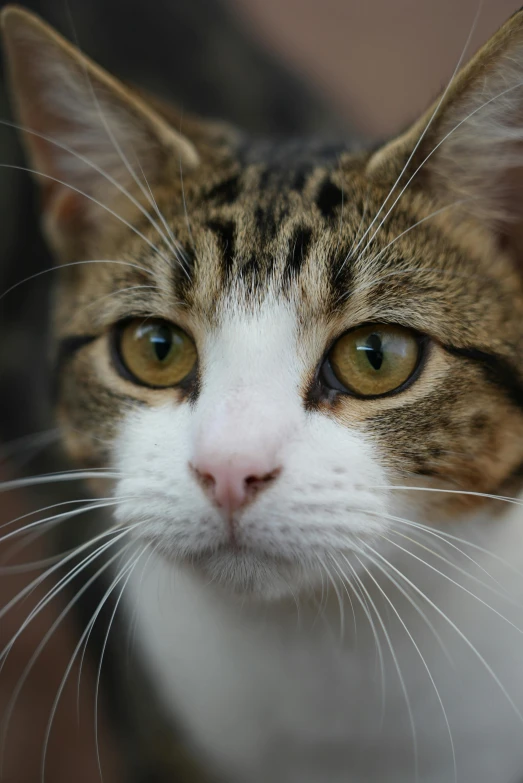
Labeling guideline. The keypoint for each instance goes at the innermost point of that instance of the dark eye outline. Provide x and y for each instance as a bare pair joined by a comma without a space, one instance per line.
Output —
121,367
329,380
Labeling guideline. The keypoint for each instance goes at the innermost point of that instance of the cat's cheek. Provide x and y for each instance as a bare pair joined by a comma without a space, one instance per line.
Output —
151,453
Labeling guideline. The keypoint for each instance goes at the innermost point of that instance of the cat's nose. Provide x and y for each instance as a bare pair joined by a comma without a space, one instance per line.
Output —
232,481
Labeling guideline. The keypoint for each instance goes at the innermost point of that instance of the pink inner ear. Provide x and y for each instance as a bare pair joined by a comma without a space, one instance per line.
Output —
64,208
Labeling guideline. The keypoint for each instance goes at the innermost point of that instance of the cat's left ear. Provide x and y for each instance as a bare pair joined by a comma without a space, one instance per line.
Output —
468,148
84,131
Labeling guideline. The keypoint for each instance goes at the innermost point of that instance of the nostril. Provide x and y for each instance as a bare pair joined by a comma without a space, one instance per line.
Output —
261,480
254,484
206,479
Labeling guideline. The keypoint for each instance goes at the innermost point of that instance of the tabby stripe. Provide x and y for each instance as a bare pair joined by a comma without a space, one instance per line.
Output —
71,345
497,370
329,198
225,192
225,232
299,245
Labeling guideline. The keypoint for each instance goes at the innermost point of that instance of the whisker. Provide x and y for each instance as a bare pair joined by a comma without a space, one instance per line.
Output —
453,625
338,595
114,141
466,493
104,646
422,135
176,246
49,508
438,145
345,581
59,476
117,293
416,647
16,167
187,222
41,577
399,672
48,635
56,589
363,599
443,535
77,648
462,571
454,582
55,517
73,263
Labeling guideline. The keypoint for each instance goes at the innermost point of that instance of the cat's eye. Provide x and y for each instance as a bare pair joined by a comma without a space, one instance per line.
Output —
155,353
373,360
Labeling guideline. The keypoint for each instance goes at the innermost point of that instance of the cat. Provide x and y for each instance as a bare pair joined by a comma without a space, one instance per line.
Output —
297,368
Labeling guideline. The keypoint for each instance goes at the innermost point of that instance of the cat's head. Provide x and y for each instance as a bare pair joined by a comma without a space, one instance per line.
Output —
268,340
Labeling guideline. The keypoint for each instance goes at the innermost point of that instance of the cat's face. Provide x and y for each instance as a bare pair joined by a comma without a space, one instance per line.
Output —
286,339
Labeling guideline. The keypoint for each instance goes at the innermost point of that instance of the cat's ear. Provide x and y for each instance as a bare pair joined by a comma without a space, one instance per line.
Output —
84,131
467,150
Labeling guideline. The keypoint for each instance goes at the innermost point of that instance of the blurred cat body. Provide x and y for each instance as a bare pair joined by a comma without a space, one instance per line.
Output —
302,365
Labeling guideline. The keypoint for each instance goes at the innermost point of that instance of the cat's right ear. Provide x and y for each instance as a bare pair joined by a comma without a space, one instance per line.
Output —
88,137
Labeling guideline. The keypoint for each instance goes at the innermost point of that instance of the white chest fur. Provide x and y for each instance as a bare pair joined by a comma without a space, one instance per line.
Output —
273,696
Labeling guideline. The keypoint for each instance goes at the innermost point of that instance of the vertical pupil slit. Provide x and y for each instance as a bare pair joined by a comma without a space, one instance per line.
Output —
373,351
161,344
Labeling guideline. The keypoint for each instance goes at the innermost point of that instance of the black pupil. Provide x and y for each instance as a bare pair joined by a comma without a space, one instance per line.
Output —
373,351
161,340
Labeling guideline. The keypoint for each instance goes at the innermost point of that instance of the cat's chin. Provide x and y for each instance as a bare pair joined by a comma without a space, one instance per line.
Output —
247,573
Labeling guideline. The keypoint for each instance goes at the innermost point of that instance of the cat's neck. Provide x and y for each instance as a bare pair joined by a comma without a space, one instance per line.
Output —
322,680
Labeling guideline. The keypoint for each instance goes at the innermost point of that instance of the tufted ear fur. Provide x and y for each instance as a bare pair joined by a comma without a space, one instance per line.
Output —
79,121
471,153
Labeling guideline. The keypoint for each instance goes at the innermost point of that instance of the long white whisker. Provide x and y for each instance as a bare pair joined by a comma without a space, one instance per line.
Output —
98,203
363,599
338,595
72,263
416,647
41,577
176,246
453,625
46,638
94,167
99,672
50,478
424,132
56,589
466,493
438,145
56,517
454,582
187,221
399,672
443,535
345,580
500,593
78,646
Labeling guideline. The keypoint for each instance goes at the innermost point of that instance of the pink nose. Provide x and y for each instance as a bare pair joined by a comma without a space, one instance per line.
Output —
233,481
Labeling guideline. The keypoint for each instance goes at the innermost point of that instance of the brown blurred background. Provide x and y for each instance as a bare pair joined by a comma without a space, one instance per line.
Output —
377,63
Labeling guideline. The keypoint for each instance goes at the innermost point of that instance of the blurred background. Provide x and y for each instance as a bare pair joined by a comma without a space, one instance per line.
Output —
364,67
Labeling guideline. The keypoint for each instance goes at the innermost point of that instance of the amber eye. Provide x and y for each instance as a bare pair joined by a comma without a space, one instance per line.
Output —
155,353
374,360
